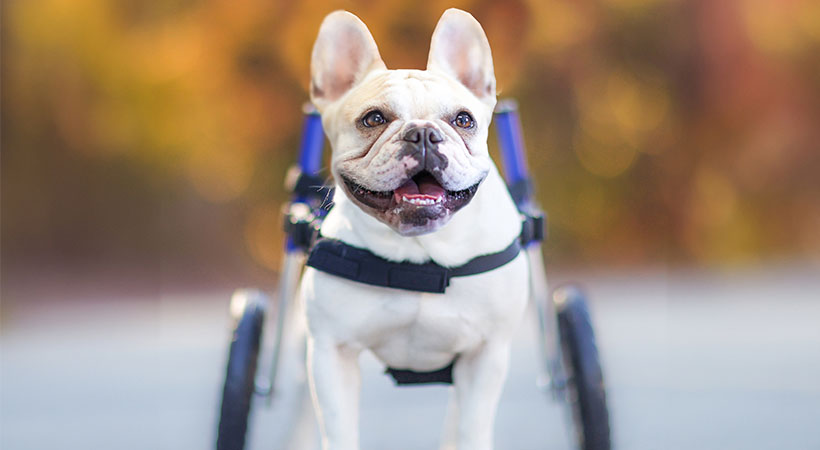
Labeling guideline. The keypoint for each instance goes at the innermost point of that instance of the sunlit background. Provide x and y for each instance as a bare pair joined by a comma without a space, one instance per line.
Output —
158,133
146,142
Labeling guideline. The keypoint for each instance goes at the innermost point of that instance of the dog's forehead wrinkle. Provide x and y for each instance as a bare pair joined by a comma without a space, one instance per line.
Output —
409,93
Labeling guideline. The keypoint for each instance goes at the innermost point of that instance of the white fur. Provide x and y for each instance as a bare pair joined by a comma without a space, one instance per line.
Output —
475,319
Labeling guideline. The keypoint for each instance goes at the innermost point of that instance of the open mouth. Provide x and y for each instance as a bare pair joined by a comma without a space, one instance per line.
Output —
422,190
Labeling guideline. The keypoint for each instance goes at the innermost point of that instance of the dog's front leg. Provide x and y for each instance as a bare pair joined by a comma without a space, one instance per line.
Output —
479,379
335,383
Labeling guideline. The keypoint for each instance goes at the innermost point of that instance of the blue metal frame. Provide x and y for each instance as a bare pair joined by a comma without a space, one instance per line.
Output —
511,142
513,154
313,142
302,209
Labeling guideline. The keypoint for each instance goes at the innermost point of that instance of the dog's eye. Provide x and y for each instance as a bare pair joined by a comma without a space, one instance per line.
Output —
373,119
464,120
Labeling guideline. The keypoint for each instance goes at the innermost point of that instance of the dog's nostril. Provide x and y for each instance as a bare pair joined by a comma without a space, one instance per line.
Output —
422,135
434,136
412,135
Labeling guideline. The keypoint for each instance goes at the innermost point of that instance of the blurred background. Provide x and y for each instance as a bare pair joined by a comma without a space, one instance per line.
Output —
144,146
158,133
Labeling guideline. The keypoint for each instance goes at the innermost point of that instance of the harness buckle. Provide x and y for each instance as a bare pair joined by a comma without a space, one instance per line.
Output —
533,227
300,226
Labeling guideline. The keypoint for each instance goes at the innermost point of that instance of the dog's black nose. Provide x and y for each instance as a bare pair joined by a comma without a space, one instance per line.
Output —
422,136
422,144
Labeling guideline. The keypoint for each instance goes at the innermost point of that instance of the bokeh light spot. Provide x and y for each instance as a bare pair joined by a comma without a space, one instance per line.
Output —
714,198
593,214
605,159
220,175
558,25
264,236
771,26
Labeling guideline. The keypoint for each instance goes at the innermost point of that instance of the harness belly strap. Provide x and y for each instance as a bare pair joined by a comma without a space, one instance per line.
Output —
403,377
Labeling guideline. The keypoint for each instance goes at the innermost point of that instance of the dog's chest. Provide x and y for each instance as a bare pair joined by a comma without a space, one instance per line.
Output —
417,330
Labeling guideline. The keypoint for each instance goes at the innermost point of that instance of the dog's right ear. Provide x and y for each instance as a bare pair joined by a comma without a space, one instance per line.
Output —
343,54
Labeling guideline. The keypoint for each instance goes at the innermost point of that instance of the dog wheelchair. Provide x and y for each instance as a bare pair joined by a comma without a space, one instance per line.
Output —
569,365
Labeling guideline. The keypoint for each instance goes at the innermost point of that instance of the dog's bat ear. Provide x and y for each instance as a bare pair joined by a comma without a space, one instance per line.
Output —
460,49
343,54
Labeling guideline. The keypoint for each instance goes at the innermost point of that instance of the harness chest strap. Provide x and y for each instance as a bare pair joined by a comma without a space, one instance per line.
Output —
337,258
346,261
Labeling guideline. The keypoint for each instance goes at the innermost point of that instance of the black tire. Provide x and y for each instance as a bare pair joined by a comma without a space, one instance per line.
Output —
585,380
240,373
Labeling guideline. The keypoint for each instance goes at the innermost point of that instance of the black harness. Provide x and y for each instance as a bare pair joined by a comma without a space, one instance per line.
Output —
334,257
337,258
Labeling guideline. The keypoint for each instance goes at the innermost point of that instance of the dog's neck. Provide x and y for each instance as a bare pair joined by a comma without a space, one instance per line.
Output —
486,225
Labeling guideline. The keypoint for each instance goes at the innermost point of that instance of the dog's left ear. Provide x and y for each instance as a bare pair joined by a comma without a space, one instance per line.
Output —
460,49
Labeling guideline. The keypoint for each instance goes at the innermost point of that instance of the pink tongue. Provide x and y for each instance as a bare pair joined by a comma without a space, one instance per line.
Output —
407,189
425,186
429,186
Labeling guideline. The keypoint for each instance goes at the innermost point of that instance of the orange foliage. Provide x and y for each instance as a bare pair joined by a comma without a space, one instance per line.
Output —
657,130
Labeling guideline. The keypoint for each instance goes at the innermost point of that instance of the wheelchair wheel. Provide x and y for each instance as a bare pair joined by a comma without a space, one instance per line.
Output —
585,384
248,309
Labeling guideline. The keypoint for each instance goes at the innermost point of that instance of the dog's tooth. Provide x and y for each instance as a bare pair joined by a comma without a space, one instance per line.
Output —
421,201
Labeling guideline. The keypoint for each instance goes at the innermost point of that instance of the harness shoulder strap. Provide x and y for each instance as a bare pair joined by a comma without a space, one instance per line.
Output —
337,258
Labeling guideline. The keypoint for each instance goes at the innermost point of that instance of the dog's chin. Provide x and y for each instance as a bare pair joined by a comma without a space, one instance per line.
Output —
420,205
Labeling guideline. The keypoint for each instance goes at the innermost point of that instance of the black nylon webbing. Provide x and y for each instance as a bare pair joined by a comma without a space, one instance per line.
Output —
337,258
403,376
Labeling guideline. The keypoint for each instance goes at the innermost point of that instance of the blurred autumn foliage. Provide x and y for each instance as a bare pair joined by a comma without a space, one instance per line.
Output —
159,132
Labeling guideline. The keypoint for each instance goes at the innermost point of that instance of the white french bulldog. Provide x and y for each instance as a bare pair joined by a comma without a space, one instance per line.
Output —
414,182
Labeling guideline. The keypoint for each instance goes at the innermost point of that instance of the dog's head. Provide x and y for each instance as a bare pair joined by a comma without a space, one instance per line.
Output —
409,146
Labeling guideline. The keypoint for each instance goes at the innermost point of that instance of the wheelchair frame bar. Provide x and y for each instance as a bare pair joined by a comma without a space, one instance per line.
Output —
511,143
313,141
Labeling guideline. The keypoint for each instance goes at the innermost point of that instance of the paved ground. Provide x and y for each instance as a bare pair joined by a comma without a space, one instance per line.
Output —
693,361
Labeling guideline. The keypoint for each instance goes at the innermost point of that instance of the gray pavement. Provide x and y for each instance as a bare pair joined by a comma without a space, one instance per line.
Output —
693,361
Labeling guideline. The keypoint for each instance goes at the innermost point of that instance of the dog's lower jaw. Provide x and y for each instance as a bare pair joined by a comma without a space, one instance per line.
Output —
414,222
